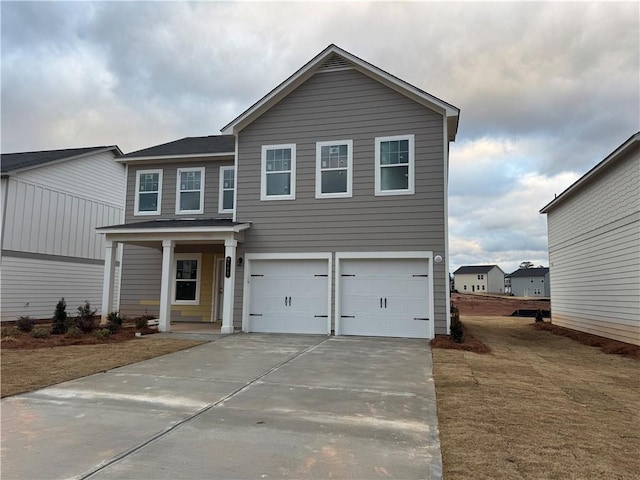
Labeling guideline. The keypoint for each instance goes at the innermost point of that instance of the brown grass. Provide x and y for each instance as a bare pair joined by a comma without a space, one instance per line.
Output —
540,406
606,344
26,370
469,343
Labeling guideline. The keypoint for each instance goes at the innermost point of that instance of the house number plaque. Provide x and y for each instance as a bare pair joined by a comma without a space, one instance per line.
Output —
227,267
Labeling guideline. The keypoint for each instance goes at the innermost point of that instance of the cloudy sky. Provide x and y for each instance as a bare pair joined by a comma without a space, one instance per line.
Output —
546,90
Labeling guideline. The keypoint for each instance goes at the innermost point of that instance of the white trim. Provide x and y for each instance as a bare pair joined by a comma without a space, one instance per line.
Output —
319,169
447,294
162,232
179,173
221,189
235,166
173,157
410,190
385,255
250,257
158,211
174,280
263,173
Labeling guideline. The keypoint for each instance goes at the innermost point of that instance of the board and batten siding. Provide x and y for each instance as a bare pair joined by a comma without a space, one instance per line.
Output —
50,248
345,105
169,179
594,254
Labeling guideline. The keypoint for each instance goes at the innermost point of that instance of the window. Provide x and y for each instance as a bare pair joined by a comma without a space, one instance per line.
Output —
394,165
187,281
227,189
480,277
190,190
334,168
482,287
465,287
148,200
278,172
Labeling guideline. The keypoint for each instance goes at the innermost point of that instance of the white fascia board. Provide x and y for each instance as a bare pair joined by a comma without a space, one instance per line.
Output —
395,254
67,159
157,232
174,157
368,69
612,157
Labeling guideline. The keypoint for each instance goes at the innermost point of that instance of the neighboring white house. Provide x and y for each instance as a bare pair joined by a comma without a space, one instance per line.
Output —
594,248
52,201
479,279
529,282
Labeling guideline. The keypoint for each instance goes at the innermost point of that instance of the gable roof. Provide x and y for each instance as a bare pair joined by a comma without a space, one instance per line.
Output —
530,272
188,147
12,162
333,57
632,142
473,269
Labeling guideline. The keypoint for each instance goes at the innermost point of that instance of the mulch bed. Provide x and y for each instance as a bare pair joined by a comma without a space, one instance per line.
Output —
24,340
469,343
605,344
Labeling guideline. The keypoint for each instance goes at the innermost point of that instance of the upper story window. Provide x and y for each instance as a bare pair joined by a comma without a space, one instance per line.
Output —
394,165
278,172
148,199
227,190
190,190
480,277
334,167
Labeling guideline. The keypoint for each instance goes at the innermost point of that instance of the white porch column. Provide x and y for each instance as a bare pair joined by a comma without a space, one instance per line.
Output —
110,254
229,285
166,284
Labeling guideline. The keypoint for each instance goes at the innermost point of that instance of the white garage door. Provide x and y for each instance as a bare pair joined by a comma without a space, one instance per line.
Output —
385,297
289,296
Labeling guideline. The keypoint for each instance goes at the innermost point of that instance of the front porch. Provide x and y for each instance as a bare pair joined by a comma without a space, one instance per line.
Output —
181,272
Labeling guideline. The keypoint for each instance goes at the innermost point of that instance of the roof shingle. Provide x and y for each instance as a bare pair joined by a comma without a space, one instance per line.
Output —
15,161
189,146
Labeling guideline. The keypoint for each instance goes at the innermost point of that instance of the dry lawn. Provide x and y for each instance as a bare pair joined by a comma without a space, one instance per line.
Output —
539,406
26,370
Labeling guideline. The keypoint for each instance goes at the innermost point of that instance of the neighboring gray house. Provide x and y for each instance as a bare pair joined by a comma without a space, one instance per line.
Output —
479,279
52,201
594,248
530,282
322,208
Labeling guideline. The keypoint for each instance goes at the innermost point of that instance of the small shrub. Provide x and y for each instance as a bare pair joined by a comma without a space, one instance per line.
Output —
40,333
73,332
60,321
7,332
102,333
539,316
142,322
25,323
457,332
86,320
114,322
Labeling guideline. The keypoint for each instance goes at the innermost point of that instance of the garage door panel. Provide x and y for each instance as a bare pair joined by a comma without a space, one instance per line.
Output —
289,296
384,297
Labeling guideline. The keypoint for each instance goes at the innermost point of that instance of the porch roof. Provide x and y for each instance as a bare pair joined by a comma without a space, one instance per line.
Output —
171,228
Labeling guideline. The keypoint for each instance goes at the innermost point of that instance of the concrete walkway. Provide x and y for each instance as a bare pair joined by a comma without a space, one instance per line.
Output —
242,406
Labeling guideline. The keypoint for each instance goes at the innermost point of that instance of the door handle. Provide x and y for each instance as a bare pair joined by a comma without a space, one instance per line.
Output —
289,301
385,302
285,301
380,302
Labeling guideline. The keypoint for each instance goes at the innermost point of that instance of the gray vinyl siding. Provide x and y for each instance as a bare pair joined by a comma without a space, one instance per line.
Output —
594,254
141,276
345,105
169,172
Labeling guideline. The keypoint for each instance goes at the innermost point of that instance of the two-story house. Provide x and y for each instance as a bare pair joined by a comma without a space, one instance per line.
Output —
479,279
322,208
52,201
530,282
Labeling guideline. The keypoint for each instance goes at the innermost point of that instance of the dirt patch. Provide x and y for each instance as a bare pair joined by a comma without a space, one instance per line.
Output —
539,406
24,370
472,305
606,344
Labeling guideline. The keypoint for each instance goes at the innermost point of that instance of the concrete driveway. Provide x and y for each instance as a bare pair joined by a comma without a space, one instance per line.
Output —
242,406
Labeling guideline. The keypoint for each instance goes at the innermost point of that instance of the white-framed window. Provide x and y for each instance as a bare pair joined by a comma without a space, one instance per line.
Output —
148,199
480,277
186,285
395,165
278,172
226,200
334,168
190,190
